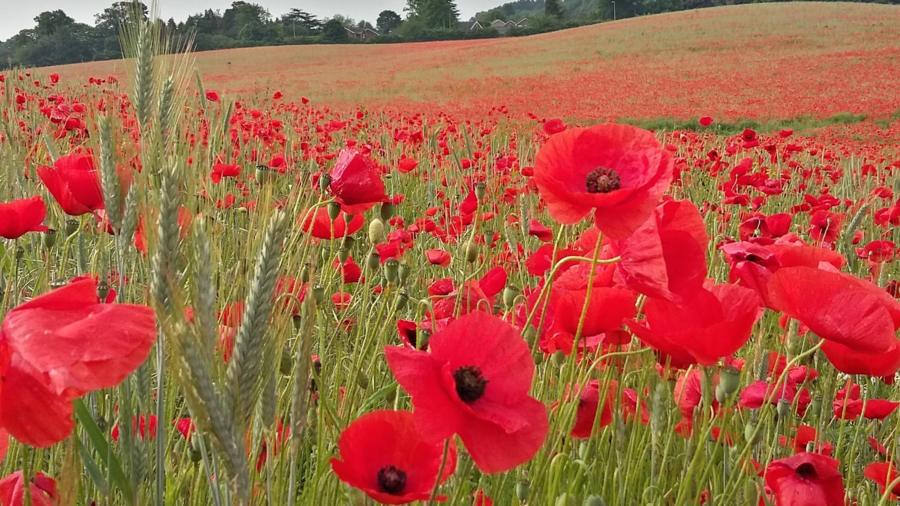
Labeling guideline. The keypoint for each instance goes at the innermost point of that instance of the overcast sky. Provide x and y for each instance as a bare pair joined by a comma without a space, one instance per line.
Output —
16,15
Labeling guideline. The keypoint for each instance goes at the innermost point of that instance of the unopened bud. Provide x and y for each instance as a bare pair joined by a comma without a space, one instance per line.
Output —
404,273
319,294
102,289
594,500
392,271
522,489
376,231
471,251
71,227
387,211
373,261
509,296
362,380
334,210
20,252
325,182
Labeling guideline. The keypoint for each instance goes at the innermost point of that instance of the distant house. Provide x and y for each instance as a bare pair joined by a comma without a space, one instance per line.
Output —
469,26
361,35
504,27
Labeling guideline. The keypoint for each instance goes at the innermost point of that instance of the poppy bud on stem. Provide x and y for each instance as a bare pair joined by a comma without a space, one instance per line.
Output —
376,231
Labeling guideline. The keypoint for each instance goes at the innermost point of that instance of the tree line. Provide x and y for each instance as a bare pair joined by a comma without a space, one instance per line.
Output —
56,38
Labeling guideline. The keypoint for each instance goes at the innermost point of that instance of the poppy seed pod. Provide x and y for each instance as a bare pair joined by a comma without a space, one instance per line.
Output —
71,227
403,274
392,271
373,261
594,500
376,231
319,294
324,182
49,238
479,191
509,296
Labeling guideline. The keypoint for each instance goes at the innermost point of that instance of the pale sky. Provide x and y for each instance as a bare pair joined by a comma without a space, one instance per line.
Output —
16,15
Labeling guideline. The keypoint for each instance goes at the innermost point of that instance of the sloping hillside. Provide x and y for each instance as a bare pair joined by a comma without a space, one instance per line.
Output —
757,60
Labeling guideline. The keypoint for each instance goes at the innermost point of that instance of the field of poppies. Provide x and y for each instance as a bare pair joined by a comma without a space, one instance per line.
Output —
215,293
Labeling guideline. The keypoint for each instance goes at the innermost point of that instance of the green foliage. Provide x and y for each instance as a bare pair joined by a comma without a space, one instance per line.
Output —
388,21
334,32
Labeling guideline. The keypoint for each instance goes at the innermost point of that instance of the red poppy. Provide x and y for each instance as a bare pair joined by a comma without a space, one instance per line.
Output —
844,309
438,257
607,310
587,421
475,383
43,490
221,170
759,392
666,256
382,454
407,164
59,346
805,479
618,171
537,229
712,324
22,216
356,182
752,265
74,183
705,121
319,224
212,95
884,474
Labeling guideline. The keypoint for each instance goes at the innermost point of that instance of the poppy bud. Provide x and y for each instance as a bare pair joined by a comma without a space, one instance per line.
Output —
334,210
102,289
509,296
559,358
297,321
49,238
20,252
391,271
346,246
196,454
402,300
594,500
362,380
404,273
305,273
376,231
373,261
783,408
564,500
479,191
325,182
422,339
319,294
471,251
387,211
71,227
530,334
749,431
729,380
522,489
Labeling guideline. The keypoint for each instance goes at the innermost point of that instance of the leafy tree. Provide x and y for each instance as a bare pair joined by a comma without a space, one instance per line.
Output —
334,31
388,21
299,22
552,8
51,22
244,21
434,14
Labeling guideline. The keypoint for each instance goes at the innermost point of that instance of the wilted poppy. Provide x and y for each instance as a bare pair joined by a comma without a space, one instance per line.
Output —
383,454
355,182
59,346
22,216
475,383
74,183
805,479
618,171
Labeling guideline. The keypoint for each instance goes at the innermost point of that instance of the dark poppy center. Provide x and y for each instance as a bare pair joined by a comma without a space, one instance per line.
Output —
806,470
469,383
391,480
602,180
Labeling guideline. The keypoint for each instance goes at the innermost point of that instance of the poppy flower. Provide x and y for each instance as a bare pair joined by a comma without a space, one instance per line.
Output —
752,265
587,420
805,479
537,229
845,310
22,216
666,257
475,383
382,454
884,474
356,182
607,310
705,121
43,490
618,171
319,224
407,164
712,324
222,170
74,182
438,257
59,346
212,95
